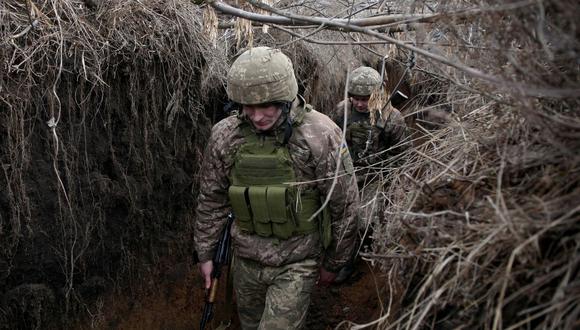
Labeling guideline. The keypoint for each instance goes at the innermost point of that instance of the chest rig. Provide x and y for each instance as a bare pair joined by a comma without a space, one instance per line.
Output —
362,137
261,192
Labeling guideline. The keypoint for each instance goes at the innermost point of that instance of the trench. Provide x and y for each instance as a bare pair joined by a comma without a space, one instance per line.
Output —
175,300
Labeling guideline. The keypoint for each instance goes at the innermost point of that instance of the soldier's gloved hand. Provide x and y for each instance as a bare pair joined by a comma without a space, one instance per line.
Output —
205,268
326,277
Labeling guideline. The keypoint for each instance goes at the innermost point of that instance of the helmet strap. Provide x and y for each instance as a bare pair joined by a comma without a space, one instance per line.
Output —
232,107
288,122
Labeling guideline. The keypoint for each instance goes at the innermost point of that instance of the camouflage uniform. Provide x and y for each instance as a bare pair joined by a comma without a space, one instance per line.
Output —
369,144
386,139
273,276
274,297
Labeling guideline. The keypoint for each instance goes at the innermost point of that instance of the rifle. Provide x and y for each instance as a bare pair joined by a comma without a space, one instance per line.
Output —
220,258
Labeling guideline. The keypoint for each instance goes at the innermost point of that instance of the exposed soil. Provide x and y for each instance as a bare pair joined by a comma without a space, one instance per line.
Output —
356,300
177,301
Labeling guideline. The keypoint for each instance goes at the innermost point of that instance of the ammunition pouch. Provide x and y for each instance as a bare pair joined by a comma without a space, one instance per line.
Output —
274,210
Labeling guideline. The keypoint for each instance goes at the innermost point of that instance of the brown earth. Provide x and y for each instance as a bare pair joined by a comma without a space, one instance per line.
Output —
176,301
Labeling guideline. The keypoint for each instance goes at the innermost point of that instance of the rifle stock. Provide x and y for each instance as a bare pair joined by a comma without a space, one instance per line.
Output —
220,258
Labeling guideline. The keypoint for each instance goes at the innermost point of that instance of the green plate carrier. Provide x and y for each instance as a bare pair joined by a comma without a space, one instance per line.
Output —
261,194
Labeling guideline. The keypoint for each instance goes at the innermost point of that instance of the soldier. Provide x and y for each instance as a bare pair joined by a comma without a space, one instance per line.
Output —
274,164
371,136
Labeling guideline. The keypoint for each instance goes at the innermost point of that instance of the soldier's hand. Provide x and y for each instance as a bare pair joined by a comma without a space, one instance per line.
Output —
326,277
205,268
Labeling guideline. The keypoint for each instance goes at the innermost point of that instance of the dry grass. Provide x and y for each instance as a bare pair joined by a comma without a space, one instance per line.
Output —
483,216
102,121
103,111
482,225
105,107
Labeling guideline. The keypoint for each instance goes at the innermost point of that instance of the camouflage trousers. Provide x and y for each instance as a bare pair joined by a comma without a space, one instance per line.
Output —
271,298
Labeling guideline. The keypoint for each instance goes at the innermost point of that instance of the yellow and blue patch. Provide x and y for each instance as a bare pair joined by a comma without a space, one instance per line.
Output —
346,159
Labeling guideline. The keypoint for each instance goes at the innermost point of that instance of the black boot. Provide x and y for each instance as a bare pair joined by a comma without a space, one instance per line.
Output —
344,273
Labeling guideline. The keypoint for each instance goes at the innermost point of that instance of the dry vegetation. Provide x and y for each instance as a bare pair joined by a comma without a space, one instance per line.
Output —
105,107
484,218
104,111
483,227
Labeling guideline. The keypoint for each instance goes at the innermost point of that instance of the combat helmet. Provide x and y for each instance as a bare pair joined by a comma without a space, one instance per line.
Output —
363,81
262,75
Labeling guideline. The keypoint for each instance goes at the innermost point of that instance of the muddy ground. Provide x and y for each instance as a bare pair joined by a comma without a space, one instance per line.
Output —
176,302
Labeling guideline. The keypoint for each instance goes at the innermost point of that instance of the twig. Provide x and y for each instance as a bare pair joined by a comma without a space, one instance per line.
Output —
523,89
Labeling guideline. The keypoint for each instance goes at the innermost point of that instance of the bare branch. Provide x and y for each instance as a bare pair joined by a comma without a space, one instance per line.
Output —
285,20
292,19
296,20
328,42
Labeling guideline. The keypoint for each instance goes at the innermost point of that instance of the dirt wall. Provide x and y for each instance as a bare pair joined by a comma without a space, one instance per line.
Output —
104,113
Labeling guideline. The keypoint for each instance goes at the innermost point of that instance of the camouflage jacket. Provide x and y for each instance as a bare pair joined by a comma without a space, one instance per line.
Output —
313,147
386,138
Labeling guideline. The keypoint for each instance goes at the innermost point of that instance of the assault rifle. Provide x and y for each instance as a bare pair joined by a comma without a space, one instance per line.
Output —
220,258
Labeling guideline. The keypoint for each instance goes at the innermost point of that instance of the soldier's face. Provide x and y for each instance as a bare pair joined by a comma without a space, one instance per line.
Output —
360,103
263,116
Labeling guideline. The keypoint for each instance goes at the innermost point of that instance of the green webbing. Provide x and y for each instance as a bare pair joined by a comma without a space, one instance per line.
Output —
283,225
239,201
259,207
260,193
307,205
237,196
276,198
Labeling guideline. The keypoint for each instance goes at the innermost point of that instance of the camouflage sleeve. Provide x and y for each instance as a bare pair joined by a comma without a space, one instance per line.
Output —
395,133
212,207
338,114
338,120
343,203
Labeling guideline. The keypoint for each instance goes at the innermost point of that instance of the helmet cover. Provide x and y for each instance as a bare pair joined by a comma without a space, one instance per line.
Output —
262,75
363,81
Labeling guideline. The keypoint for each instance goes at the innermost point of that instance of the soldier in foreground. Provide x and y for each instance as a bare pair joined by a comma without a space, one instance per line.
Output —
372,135
274,166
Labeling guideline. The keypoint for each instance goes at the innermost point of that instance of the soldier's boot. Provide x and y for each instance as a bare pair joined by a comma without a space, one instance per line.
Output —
347,270
344,273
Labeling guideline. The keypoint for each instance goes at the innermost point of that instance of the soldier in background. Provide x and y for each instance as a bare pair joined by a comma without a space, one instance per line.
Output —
374,133
274,165
371,135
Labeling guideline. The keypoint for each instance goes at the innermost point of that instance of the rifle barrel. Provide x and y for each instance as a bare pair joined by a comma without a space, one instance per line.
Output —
220,258
207,315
